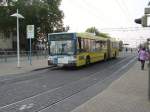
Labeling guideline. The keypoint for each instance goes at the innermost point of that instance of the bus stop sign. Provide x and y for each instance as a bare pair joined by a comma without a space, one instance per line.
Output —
30,31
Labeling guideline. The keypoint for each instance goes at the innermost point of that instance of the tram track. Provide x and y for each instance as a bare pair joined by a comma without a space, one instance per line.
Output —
34,76
73,87
100,85
28,88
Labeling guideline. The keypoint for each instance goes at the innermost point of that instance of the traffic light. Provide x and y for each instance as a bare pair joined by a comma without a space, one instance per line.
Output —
144,20
138,21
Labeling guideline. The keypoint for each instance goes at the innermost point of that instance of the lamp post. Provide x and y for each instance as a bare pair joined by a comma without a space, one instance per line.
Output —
18,48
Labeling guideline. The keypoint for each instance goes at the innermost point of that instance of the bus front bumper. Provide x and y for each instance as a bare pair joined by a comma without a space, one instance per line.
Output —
70,64
67,65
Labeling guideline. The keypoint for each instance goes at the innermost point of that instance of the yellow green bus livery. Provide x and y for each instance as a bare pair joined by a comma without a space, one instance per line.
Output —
78,49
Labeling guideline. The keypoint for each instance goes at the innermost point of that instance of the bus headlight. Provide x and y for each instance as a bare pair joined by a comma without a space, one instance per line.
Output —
50,60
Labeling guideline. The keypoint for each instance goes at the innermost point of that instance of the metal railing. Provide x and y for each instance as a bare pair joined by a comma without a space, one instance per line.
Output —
11,56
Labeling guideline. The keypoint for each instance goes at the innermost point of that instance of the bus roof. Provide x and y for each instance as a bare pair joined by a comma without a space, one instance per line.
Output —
85,35
90,36
61,33
114,40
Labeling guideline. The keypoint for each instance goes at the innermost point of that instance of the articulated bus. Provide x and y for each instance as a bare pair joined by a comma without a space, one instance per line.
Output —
78,49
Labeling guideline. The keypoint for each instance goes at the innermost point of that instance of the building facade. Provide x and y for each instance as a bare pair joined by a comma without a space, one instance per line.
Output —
6,43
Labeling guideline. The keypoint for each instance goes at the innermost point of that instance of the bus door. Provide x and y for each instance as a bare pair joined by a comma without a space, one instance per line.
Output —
81,53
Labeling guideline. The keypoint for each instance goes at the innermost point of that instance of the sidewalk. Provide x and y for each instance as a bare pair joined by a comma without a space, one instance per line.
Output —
127,94
11,67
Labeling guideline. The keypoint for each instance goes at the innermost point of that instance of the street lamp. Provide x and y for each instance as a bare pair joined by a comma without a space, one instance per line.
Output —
18,48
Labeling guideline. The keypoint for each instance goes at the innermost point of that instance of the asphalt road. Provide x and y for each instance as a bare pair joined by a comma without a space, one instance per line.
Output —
59,90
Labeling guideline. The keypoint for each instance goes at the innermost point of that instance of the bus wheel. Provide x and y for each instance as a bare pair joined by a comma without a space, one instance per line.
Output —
88,60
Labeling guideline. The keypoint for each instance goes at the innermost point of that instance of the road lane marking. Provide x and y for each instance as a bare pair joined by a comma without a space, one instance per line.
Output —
28,106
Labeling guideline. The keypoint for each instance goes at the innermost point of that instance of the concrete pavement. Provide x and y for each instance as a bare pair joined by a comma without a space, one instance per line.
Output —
11,67
127,94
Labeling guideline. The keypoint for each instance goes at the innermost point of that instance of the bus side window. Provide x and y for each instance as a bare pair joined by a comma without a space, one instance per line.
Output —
86,45
80,45
93,46
98,46
79,42
103,44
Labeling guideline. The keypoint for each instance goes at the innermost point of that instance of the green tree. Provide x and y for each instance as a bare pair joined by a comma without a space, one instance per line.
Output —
105,35
6,22
97,32
93,30
44,14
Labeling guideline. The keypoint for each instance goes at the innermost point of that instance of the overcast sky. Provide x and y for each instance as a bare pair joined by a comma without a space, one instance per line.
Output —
106,14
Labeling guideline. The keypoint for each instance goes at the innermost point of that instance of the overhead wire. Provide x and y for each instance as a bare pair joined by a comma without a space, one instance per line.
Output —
82,7
91,10
97,10
126,29
87,10
123,10
127,9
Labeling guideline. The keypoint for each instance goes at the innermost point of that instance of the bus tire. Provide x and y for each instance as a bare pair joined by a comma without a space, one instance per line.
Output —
88,61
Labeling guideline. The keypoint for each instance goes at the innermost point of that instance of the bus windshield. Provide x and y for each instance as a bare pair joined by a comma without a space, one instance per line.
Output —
62,44
61,47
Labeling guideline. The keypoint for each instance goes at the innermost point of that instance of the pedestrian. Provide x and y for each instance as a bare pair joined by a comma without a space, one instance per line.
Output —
143,55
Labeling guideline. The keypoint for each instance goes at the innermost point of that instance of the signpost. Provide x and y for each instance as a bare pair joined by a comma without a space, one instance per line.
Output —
30,35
